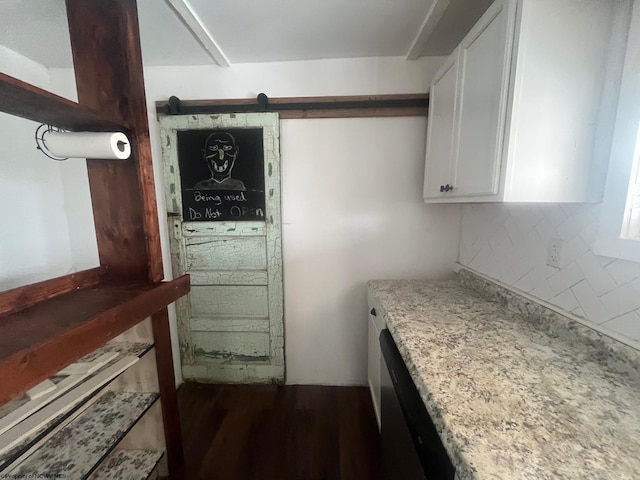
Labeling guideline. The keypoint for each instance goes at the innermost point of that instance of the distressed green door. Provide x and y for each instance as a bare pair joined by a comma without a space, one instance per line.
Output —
228,238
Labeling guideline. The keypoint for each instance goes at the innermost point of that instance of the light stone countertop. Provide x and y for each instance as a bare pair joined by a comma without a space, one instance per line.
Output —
515,398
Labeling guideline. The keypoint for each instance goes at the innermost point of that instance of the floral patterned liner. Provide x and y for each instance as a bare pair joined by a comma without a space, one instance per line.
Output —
74,451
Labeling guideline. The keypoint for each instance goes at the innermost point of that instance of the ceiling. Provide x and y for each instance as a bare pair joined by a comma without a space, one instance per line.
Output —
245,31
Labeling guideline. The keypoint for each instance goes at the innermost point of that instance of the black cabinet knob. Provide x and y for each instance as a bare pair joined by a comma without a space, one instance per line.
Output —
373,312
442,188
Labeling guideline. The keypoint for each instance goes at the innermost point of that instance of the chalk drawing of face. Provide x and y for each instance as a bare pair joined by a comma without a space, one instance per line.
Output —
220,152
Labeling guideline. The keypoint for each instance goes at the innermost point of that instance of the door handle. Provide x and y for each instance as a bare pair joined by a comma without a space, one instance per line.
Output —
373,312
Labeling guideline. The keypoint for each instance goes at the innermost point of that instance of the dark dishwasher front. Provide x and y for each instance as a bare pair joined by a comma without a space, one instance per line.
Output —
411,446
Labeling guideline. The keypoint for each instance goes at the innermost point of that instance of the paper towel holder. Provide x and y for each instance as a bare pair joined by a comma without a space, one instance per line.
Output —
41,131
75,144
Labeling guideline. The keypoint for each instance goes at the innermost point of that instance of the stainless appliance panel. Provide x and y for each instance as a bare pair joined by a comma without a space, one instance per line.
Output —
400,459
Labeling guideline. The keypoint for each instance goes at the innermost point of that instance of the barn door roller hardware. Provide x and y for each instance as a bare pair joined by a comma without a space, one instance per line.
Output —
304,107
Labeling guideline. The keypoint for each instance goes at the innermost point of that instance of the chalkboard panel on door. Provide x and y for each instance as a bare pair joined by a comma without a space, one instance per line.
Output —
222,174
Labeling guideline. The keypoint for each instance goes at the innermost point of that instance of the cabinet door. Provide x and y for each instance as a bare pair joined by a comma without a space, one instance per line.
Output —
484,60
373,370
440,132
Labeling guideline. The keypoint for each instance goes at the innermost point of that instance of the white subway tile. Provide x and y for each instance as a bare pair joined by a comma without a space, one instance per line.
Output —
597,276
510,243
623,299
565,278
627,325
566,300
623,271
590,302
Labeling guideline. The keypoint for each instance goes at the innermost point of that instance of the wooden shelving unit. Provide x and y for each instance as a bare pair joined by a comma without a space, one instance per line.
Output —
42,339
49,325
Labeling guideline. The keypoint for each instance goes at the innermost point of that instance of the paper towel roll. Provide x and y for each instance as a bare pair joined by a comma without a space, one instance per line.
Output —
88,144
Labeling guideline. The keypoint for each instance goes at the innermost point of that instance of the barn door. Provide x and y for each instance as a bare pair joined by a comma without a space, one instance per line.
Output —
222,181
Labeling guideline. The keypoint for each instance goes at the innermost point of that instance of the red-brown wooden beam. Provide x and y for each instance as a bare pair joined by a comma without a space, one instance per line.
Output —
105,41
24,100
352,106
168,393
24,297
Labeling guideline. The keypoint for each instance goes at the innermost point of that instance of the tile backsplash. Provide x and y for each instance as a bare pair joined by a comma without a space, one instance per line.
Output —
509,243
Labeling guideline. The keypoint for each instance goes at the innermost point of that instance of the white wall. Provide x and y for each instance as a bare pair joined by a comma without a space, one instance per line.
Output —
75,181
34,240
509,243
372,168
352,211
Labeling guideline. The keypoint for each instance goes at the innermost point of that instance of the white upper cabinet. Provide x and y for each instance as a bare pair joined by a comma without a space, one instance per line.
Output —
442,107
483,57
521,111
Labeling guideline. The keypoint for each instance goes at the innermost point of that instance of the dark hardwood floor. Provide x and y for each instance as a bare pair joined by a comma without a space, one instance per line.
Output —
267,432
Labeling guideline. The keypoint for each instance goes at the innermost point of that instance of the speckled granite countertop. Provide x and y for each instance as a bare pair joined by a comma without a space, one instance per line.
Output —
513,397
